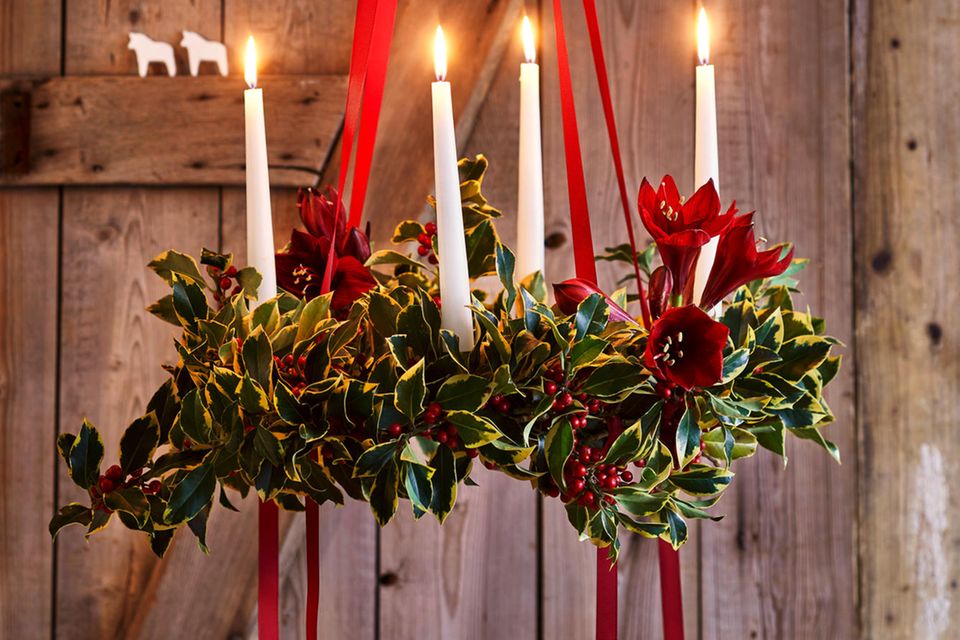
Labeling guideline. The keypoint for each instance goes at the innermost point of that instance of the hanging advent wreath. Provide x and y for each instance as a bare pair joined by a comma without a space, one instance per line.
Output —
359,393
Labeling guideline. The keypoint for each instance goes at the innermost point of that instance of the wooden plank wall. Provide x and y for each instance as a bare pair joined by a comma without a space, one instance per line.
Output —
839,123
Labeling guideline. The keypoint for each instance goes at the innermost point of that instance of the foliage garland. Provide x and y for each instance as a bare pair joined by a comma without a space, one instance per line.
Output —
360,391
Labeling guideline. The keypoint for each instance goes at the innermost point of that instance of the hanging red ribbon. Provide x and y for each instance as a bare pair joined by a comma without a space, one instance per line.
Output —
372,99
584,261
599,63
671,598
268,567
576,186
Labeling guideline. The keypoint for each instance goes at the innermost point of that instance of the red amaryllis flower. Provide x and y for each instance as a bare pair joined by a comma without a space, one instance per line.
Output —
300,265
738,262
685,347
571,293
681,227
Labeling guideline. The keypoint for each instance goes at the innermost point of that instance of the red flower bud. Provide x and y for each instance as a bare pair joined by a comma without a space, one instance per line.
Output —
570,293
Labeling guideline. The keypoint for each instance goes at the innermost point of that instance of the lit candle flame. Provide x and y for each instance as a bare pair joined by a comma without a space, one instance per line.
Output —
703,37
250,64
440,55
529,47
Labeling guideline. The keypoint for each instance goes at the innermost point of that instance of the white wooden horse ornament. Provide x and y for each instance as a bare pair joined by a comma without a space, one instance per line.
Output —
199,49
149,50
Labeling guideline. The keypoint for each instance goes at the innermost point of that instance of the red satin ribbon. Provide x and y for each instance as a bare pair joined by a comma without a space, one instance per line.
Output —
373,33
585,266
372,100
268,593
599,63
671,597
576,187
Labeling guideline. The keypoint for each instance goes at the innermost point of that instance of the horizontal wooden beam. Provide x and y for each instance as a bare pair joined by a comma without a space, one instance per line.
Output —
100,130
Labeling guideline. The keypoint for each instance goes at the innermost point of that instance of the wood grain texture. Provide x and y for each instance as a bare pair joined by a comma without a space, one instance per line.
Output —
654,109
907,233
780,565
29,272
28,352
109,130
110,347
110,352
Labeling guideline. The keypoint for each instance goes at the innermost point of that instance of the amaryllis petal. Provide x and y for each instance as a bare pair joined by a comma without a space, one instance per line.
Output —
685,347
679,253
570,293
738,262
659,289
352,281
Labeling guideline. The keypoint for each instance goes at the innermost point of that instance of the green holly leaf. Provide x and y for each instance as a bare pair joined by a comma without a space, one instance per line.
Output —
85,456
191,494
139,442
383,493
417,484
702,480
506,265
410,391
189,302
585,351
463,392
591,317
172,264
612,379
129,500
373,459
73,513
253,398
557,447
258,358
639,503
688,437
444,483
634,441
195,419
474,430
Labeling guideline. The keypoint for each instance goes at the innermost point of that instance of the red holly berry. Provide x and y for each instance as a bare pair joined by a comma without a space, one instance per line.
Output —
395,429
423,250
288,360
442,437
231,271
302,361
565,399
553,492
577,485
136,473
609,499
105,484
612,482
424,239
550,387
153,487
627,477
472,453
237,289
115,473
431,228
434,408
225,283
433,259
453,442
640,464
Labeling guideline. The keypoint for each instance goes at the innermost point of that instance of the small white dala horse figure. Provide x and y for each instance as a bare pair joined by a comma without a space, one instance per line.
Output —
149,50
199,49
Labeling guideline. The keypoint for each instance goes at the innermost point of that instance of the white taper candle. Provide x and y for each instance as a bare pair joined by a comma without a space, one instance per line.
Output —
454,275
260,251
530,233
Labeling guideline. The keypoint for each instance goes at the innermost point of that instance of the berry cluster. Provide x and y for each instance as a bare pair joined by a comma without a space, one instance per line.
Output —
114,478
586,484
226,286
292,370
436,429
426,242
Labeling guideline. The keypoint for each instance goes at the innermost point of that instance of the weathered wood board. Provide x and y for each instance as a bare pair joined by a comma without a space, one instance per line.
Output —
907,230
166,131
29,276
